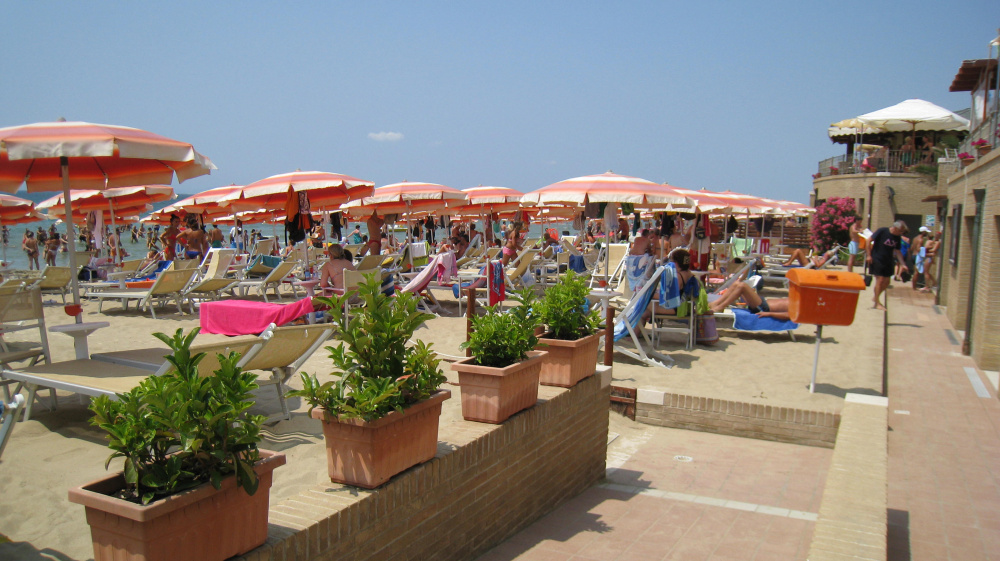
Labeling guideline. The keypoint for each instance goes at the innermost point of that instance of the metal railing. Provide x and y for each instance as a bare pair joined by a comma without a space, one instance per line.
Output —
895,161
988,130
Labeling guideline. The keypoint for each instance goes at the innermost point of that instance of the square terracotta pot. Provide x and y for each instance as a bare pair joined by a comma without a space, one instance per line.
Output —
366,454
492,395
200,523
568,362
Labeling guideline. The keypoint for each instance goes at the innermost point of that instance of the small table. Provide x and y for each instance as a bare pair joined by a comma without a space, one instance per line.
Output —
79,332
310,287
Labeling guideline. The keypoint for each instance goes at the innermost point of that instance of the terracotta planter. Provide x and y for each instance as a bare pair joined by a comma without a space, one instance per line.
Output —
201,523
568,362
984,149
492,395
967,161
366,454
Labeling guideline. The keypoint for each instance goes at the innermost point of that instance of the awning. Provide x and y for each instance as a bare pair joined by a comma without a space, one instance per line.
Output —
971,72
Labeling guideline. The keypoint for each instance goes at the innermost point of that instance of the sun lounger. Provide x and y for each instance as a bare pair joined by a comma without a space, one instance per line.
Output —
96,377
21,311
272,280
169,285
214,281
56,279
8,416
438,270
745,320
618,252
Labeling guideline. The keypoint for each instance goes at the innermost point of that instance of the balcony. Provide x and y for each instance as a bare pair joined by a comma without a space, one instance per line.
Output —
893,161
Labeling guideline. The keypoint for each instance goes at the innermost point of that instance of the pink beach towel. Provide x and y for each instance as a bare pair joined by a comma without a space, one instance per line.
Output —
443,265
244,317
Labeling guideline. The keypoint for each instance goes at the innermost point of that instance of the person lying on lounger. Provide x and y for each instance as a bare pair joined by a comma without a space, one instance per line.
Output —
776,308
803,260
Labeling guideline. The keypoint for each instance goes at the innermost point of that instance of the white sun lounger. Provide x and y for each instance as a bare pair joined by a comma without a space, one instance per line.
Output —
169,285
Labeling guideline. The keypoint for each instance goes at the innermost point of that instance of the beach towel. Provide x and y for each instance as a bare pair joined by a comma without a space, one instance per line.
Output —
245,317
637,269
635,313
670,291
919,259
746,320
478,283
577,263
497,283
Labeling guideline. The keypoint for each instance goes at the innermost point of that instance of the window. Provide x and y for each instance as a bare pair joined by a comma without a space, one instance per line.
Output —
956,228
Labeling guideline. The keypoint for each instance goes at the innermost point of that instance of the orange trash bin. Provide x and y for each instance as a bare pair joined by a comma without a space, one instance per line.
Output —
822,297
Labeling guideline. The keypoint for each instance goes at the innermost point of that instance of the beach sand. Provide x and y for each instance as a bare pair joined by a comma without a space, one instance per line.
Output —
57,450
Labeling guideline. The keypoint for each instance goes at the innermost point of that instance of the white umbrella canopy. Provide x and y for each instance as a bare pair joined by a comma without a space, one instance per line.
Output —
606,187
915,115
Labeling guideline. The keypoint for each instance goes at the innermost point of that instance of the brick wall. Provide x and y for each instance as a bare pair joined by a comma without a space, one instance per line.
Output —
853,521
959,187
486,483
735,418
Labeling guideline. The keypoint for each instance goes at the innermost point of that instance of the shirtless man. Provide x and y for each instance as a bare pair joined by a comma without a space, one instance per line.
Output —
215,236
855,244
30,246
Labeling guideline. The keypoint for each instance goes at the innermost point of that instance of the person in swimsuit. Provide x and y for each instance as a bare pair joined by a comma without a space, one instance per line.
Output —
513,246
854,247
332,273
169,238
215,236
194,239
799,255
30,246
776,308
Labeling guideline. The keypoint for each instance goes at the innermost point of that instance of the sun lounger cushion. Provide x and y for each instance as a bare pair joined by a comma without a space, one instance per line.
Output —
746,320
243,317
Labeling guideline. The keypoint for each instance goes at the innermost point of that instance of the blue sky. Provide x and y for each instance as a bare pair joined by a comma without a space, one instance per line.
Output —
714,95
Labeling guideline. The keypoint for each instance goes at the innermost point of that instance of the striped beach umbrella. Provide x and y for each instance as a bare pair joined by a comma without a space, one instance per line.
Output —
64,156
606,187
326,191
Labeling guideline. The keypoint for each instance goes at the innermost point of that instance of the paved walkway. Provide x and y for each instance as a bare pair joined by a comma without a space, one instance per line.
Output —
944,442
675,494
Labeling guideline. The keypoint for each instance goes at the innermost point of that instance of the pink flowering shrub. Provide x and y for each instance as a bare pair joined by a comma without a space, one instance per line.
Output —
830,223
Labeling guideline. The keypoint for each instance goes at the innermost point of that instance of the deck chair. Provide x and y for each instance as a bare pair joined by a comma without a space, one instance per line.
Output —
272,280
214,281
21,311
128,269
354,248
92,377
618,252
371,262
630,320
169,285
10,286
55,279
516,271
263,246
284,351
8,416
741,247
664,323
422,283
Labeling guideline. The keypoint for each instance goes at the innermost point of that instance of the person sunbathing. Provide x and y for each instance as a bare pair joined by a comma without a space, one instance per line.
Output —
803,260
776,308
690,285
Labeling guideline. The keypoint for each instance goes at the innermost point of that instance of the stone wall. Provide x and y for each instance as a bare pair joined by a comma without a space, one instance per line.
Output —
486,483
735,418
853,520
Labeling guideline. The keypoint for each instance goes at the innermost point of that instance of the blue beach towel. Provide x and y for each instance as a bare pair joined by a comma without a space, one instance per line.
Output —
634,315
749,321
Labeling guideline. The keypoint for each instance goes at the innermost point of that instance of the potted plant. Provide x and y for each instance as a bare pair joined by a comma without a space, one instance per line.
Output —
817,175
194,485
966,158
501,376
834,171
573,334
381,416
982,146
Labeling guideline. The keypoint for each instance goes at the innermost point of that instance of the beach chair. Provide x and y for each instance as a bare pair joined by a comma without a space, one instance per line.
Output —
8,416
422,283
169,285
371,262
629,324
21,311
666,323
741,247
272,280
10,286
128,269
91,377
519,271
214,281
55,279
283,352
263,246
618,252
354,248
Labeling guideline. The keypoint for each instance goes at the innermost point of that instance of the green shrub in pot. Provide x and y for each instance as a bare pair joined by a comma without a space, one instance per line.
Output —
564,308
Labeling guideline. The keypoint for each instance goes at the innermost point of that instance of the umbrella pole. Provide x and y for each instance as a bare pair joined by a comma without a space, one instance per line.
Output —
114,233
74,281
4,244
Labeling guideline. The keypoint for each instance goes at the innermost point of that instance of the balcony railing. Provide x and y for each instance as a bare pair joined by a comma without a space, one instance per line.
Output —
897,161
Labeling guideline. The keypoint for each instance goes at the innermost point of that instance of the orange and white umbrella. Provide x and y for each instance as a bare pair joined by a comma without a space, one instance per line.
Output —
326,191
205,203
61,156
606,188
406,197
121,197
487,200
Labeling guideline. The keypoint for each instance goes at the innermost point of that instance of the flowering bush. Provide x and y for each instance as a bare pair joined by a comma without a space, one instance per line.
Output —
980,142
834,170
817,175
966,156
831,222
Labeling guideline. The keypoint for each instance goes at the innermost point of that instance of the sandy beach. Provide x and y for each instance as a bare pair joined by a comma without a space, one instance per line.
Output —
56,450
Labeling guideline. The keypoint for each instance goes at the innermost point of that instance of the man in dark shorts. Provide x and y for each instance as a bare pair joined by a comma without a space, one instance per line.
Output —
882,254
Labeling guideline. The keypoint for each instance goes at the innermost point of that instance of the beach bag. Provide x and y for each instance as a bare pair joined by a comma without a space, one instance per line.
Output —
705,332
86,274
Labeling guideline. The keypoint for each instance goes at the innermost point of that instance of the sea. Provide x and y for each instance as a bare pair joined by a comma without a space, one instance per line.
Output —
13,256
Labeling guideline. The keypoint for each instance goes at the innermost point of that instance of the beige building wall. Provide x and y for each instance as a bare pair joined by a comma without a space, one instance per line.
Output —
908,190
956,278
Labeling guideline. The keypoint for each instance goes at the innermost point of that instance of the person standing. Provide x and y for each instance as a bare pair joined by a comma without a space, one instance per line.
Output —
854,246
882,253
215,236
30,246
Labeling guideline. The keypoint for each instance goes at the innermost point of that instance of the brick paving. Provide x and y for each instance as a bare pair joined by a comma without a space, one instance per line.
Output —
755,500
944,442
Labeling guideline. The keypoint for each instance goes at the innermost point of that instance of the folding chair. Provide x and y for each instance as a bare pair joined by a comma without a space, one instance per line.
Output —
629,324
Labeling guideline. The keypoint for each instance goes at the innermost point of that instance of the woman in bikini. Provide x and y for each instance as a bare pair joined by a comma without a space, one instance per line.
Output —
513,246
169,238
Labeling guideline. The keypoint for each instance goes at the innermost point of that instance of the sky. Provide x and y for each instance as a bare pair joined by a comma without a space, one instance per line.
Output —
701,95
